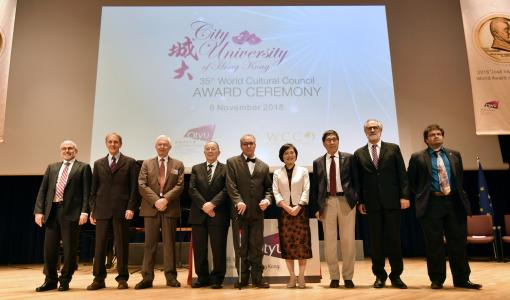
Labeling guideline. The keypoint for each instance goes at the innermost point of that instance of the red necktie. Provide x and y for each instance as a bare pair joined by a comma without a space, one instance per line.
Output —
59,194
113,165
161,176
332,177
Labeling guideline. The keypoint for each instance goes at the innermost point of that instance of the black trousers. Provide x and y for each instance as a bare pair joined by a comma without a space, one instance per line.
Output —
384,228
446,218
250,252
121,243
218,237
58,228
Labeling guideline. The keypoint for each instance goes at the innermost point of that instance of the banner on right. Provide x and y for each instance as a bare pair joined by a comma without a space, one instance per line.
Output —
487,32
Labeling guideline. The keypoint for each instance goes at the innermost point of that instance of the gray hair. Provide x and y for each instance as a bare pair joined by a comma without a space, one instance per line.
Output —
163,137
379,123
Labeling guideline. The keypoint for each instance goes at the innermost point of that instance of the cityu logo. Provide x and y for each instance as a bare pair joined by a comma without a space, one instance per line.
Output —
494,104
272,245
203,133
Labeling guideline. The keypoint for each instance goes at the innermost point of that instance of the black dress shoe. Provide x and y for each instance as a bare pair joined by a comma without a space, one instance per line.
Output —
173,282
435,285
46,286
241,284
143,285
398,283
262,284
95,285
64,286
468,285
334,284
216,286
122,285
379,283
348,284
198,284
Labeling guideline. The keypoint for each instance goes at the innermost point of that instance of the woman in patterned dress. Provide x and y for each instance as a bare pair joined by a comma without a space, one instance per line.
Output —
291,186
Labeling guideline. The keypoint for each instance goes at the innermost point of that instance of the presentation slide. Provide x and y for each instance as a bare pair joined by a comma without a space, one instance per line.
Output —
283,74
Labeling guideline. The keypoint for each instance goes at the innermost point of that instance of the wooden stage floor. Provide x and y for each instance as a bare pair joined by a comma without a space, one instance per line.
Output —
19,282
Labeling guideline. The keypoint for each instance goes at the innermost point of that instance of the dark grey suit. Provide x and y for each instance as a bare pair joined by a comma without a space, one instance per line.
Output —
111,195
250,189
441,216
337,214
380,190
319,188
204,226
156,222
61,220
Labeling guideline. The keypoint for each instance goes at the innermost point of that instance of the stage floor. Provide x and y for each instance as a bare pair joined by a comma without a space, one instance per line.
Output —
19,282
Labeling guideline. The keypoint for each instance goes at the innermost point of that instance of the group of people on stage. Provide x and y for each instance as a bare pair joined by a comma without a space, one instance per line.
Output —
373,180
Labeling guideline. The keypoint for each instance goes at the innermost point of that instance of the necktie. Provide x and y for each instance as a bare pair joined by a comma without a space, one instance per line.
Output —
161,176
209,173
375,157
332,177
113,165
253,160
444,184
61,185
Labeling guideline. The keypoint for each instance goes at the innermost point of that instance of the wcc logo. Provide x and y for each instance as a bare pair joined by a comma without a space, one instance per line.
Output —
272,245
202,133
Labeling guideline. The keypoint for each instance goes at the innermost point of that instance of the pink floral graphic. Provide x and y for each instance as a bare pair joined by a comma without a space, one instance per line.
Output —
245,36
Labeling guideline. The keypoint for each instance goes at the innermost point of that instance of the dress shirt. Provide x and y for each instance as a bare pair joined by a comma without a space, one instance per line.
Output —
165,163
378,148
71,163
117,156
337,169
251,165
213,168
435,172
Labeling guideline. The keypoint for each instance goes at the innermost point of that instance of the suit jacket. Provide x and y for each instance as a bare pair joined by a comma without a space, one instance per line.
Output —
250,189
300,186
384,186
76,191
420,179
320,181
201,192
148,186
113,193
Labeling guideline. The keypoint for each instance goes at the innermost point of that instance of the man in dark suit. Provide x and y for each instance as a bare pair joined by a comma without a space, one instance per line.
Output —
333,202
113,201
383,192
160,184
435,177
249,187
62,205
209,216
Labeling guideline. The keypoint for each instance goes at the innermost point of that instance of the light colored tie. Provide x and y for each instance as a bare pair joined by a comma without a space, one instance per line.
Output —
444,183
375,157
59,194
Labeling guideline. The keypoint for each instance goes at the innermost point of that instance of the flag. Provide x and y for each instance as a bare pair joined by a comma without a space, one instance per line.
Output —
483,193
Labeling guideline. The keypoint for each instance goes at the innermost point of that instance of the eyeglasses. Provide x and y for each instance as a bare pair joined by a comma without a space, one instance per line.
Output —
251,144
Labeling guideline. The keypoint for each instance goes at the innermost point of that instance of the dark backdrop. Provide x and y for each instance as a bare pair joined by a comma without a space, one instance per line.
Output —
21,239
